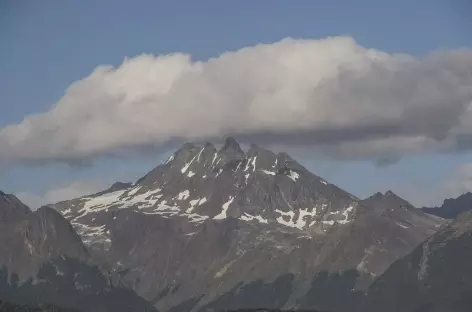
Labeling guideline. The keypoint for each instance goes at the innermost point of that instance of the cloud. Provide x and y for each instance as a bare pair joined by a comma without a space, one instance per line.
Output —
454,184
330,95
67,191
459,182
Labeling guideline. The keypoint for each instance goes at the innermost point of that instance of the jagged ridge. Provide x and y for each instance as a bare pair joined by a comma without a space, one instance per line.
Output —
207,220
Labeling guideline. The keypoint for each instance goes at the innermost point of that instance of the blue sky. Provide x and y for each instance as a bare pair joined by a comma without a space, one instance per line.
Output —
48,45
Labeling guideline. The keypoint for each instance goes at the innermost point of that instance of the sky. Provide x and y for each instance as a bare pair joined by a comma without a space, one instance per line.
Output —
371,95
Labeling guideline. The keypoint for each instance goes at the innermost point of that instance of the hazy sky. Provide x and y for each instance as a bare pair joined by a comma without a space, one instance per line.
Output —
371,95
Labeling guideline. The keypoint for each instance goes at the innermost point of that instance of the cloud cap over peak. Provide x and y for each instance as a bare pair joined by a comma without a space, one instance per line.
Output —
331,94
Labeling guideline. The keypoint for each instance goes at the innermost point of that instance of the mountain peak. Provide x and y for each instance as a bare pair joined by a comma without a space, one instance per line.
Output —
391,196
120,185
230,142
11,207
384,196
230,151
231,145
452,207
187,146
185,152
117,186
255,150
389,200
208,145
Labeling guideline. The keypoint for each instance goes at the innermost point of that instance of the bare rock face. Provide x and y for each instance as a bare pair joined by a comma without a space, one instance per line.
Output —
11,208
435,277
43,260
209,226
452,207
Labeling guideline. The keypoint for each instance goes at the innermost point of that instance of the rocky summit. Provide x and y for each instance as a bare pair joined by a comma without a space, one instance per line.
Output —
214,229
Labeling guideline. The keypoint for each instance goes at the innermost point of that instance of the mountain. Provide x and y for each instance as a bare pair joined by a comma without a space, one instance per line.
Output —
435,277
452,207
212,229
11,208
43,260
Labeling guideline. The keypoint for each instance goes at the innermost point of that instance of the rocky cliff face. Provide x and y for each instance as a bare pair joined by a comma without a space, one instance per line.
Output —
43,260
452,207
209,226
435,277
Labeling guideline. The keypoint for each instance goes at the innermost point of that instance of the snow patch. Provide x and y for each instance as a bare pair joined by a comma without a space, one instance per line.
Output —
328,222
170,159
223,270
293,175
144,200
403,226
345,213
283,214
300,223
195,202
302,213
184,169
269,172
134,191
190,174
195,217
165,209
199,154
99,203
254,163
67,211
90,234
246,176
214,158
183,195
247,164
248,217
222,214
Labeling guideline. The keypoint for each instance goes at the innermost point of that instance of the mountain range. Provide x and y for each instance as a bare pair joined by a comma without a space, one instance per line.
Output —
213,229
43,260
452,207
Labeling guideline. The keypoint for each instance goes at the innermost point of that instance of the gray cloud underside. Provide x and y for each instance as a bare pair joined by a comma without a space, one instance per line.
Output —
332,96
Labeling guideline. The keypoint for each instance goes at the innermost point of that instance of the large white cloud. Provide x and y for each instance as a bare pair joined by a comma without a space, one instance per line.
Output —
332,95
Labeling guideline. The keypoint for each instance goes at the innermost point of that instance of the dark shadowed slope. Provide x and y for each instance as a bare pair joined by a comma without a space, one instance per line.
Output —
43,260
11,307
435,277
452,207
